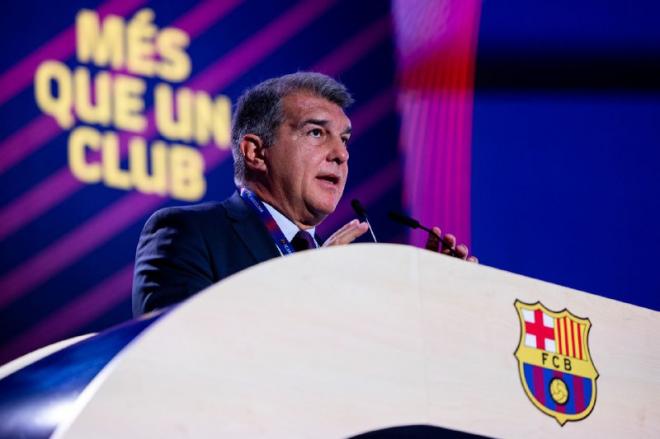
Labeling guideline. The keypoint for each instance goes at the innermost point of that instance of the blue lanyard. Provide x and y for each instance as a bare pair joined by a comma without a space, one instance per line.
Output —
267,219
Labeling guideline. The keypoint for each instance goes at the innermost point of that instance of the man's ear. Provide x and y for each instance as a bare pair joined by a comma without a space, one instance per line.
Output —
252,148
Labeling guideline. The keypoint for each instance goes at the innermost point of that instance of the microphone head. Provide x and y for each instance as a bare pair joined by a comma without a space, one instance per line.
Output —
358,208
403,219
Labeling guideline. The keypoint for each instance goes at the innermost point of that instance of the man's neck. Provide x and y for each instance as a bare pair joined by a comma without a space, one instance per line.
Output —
267,197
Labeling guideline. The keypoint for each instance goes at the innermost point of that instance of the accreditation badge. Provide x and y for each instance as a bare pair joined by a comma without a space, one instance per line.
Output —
556,369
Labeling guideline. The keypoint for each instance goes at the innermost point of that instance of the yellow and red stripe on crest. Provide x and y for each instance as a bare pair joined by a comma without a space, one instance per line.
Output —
569,335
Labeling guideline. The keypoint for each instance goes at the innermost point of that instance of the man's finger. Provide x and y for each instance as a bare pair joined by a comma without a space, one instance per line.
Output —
350,234
354,233
347,226
347,234
433,241
473,259
449,242
461,251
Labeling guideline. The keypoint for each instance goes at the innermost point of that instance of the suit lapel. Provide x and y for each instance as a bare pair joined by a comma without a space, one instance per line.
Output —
250,229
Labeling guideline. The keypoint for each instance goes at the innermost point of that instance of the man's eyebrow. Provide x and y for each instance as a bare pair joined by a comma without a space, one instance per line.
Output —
322,122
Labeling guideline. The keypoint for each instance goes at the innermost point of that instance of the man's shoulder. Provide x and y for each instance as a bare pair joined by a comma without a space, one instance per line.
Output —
192,212
209,213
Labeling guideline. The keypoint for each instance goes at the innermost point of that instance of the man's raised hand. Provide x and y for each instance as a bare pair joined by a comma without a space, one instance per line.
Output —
347,234
449,246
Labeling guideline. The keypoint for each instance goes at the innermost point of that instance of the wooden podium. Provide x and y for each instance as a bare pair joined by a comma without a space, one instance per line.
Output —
337,342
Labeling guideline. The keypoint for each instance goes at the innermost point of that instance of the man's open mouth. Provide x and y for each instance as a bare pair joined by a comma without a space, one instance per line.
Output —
331,178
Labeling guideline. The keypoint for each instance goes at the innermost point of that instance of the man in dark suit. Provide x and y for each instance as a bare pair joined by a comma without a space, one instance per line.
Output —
289,137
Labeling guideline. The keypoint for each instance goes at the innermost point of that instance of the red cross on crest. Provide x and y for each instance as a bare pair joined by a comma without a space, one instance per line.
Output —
539,330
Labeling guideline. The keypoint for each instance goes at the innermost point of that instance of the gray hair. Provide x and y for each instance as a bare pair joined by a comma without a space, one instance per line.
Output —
259,110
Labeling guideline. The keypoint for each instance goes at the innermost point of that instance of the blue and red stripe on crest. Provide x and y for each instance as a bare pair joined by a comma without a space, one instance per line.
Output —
579,389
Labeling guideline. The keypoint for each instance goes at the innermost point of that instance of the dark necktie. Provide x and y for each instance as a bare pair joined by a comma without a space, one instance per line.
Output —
302,241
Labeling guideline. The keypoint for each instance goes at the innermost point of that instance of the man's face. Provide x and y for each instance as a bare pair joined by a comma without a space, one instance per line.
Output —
307,164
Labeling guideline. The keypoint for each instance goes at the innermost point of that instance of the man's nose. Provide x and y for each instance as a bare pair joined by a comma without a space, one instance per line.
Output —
338,153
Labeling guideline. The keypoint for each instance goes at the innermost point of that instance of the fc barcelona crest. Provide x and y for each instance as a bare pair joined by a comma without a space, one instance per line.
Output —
554,362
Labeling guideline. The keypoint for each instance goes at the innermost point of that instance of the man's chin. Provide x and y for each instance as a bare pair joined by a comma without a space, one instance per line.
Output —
321,210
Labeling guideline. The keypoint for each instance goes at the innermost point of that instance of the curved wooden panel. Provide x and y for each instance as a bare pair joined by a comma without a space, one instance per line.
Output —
337,342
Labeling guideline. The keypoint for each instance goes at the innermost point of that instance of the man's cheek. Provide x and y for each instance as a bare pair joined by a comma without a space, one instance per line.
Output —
342,186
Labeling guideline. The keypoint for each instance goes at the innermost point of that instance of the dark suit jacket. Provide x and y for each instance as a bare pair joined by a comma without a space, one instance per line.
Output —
183,250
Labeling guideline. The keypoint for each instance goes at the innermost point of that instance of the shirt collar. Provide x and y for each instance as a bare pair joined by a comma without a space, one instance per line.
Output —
288,227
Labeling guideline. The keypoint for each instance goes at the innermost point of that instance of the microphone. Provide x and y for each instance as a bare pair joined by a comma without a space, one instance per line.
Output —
407,221
413,224
362,215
